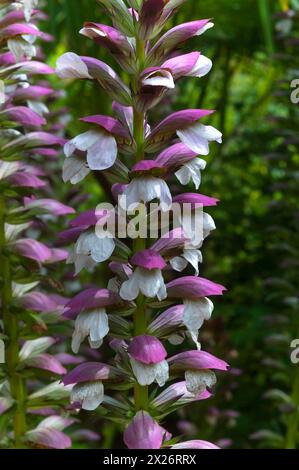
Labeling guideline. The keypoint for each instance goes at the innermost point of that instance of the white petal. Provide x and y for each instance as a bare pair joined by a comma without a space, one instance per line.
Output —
196,312
103,153
205,28
183,175
176,339
208,225
90,395
164,79
198,136
162,373
145,189
150,282
74,170
146,374
198,381
194,257
70,65
82,142
178,263
100,249
191,171
130,289
92,324
202,67
19,48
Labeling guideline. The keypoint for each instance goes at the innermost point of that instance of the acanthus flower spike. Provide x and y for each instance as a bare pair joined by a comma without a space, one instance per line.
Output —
139,159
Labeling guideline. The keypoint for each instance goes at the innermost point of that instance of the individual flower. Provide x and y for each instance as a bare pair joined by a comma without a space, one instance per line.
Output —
146,185
147,277
198,367
143,432
88,390
175,36
191,171
70,65
89,310
147,357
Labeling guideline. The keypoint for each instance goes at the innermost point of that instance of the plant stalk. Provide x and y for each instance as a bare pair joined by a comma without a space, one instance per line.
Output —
139,317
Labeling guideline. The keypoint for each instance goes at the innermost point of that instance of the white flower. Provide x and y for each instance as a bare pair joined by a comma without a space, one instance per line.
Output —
90,395
197,137
189,224
202,67
75,169
146,374
98,248
80,261
93,325
20,47
191,171
192,256
208,225
159,78
100,146
195,313
198,381
39,107
149,282
29,5
8,168
70,65
146,189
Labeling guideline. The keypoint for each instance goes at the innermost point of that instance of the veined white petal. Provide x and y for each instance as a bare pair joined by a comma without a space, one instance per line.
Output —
145,189
197,137
146,374
208,225
196,312
148,282
103,153
81,142
159,79
178,263
20,47
90,395
92,324
74,170
100,249
191,171
194,257
130,289
176,339
199,381
162,373
70,65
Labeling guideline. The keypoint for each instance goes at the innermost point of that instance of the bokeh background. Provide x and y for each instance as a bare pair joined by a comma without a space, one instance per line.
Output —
255,174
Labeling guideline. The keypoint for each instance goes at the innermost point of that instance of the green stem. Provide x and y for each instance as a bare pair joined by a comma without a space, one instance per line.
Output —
139,318
11,331
293,422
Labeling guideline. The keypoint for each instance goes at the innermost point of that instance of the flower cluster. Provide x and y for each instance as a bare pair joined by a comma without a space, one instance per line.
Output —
146,305
29,378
